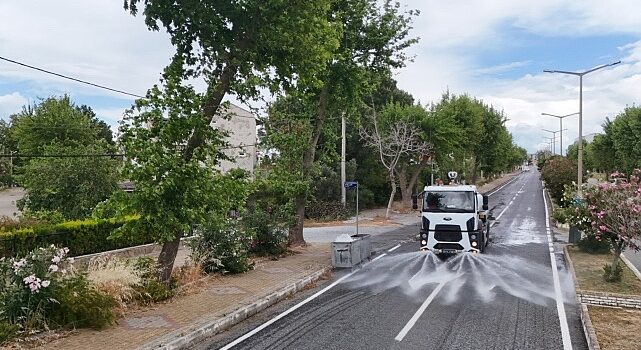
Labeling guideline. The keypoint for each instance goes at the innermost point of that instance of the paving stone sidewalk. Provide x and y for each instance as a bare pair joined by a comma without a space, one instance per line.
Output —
219,297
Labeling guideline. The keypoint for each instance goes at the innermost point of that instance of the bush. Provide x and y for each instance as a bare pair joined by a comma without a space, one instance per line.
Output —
558,172
81,237
607,269
221,247
149,289
591,244
560,216
269,231
7,331
41,292
327,211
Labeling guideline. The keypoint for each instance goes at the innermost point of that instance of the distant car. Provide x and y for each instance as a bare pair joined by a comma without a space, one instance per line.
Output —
526,168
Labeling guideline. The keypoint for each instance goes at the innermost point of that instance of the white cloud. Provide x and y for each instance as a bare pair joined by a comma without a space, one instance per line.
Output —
11,103
100,42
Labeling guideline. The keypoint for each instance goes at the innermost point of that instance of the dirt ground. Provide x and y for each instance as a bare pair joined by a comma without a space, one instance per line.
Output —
616,328
589,274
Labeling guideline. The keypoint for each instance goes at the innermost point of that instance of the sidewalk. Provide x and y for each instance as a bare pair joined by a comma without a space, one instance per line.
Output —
221,296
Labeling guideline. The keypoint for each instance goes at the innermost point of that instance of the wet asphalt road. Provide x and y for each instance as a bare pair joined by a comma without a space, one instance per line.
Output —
503,299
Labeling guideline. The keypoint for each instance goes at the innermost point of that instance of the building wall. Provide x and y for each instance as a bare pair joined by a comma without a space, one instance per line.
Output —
242,128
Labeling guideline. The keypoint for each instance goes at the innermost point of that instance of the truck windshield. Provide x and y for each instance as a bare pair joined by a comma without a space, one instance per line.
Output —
449,202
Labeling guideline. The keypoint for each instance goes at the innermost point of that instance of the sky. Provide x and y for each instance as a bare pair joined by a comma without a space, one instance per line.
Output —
495,50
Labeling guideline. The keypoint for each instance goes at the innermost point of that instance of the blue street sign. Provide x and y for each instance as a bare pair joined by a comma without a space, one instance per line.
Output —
350,184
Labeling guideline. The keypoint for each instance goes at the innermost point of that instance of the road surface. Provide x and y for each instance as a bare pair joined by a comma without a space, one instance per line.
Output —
506,298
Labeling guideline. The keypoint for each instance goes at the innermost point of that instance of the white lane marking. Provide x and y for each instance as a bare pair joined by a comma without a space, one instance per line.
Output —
504,209
500,188
393,249
560,308
290,310
418,313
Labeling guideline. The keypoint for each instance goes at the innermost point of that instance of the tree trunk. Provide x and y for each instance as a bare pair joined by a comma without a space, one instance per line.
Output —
166,259
475,168
296,232
618,249
215,95
407,187
392,179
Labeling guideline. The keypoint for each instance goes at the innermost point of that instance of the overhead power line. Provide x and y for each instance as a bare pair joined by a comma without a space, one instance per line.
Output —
70,78
18,155
88,82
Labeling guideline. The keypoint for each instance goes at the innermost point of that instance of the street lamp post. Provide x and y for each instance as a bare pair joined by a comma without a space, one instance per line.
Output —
553,139
550,140
560,117
580,75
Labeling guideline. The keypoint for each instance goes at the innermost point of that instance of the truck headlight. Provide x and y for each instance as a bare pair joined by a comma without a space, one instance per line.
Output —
424,236
472,236
423,242
474,244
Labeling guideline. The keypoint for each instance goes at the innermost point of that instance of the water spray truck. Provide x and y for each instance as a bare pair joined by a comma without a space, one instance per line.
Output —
454,218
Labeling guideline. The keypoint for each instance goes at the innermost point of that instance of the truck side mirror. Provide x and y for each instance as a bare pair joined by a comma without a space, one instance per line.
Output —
486,201
414,201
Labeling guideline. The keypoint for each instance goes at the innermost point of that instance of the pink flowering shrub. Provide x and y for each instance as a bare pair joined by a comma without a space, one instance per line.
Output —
614,210
41,291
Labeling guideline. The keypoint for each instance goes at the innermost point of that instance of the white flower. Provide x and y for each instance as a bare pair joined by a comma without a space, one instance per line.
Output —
29,279
17,265
53,268
46,283
55,259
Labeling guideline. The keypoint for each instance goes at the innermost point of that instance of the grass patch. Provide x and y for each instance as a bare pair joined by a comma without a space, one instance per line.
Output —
616,328
589,274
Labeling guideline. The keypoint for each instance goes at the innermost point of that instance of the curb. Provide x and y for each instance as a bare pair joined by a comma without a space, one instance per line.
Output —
192,337
588,329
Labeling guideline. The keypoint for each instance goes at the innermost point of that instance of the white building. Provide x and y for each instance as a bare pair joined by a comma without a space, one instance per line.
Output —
241,125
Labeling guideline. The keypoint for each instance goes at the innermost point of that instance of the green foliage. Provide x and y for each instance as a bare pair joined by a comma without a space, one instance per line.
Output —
71,185
612,276
560,216
268,229
594,245
148,288
40,292
222,246
53,120
7,331
82,237
557,172
81,305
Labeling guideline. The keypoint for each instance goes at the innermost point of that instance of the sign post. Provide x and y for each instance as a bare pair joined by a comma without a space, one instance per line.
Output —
353,184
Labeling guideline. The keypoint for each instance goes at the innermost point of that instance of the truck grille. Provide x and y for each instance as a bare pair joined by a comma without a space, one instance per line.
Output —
454,246
447,233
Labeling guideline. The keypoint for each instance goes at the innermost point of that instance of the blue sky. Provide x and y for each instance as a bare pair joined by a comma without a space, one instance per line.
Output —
492,49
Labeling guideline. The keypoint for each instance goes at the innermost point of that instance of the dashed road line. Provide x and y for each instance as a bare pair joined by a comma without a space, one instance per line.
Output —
394,248
418,313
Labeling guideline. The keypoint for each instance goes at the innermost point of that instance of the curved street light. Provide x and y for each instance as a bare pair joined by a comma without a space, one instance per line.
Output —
560,117
580,75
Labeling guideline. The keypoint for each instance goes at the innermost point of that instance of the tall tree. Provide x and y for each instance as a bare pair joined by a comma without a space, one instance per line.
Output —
62,166
394,134
236,48
372,43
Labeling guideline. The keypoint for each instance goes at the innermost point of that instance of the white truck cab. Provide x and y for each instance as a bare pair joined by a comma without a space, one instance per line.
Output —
454,219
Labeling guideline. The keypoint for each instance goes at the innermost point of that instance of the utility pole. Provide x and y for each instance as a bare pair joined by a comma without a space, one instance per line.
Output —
560,117
343,176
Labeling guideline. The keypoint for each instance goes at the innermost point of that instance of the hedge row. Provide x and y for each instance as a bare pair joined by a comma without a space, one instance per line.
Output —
327,211
81,237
